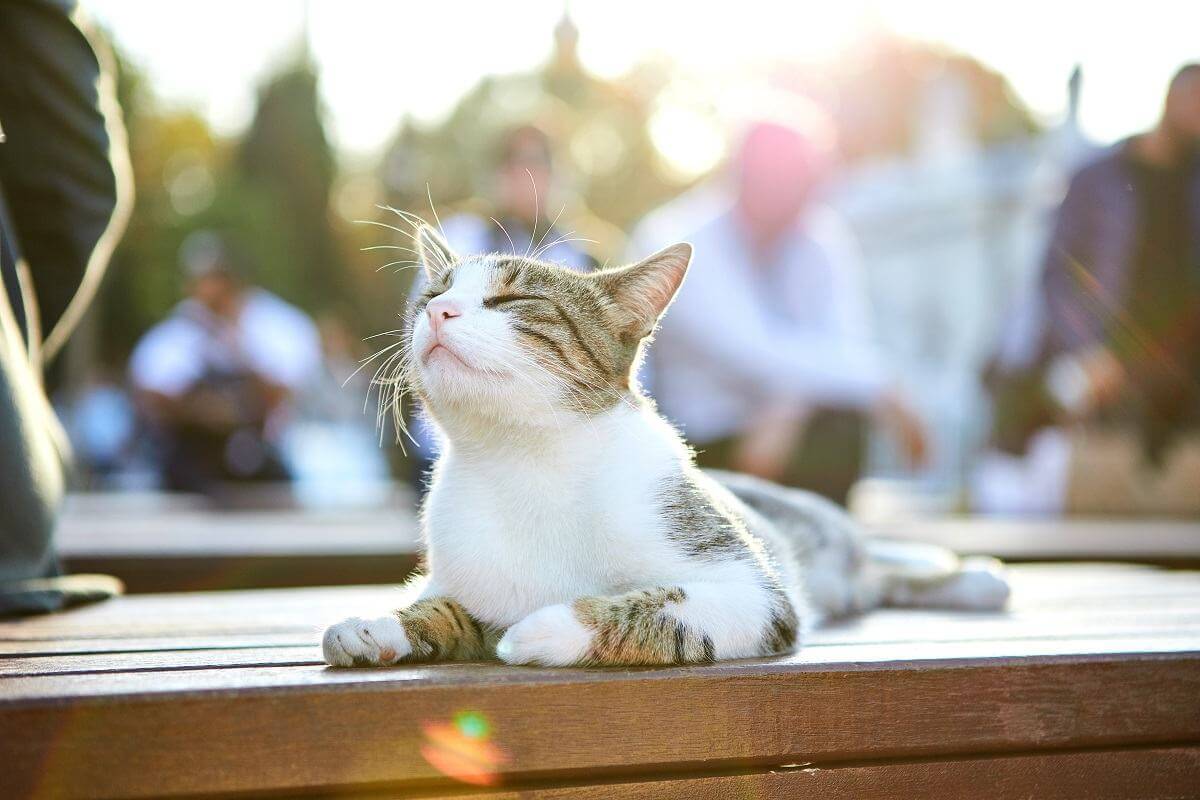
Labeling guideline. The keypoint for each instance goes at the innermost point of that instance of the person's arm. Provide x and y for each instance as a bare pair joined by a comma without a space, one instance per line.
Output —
63,167
164,370
786,362
1073,320
1083,374
849,322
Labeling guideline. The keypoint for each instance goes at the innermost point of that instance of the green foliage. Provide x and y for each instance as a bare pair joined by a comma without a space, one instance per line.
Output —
269,194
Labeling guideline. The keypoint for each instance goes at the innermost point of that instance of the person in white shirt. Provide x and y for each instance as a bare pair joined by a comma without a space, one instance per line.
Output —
215,377
765,359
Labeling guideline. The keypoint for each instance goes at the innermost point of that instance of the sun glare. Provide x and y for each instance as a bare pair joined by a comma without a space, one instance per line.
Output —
381,61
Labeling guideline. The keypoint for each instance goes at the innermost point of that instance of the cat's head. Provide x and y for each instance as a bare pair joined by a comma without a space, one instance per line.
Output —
508,338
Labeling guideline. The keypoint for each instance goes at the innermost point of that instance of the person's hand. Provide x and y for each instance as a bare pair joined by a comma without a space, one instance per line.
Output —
766,449
898,417
1105,376
1086,381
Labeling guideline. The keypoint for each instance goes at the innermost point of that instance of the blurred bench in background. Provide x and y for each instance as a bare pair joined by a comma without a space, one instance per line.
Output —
159,543
1089,686
1165,542
184,547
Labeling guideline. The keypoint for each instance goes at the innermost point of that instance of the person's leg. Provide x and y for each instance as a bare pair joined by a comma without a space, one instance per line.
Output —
831,454
60,216
31,465
768,445
32,476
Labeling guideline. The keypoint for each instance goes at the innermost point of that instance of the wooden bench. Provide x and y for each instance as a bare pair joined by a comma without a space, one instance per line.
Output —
1089,686
162,544
194,549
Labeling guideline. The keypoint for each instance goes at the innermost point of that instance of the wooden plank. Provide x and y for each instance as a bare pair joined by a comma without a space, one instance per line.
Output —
207,533
308,654
1163,773
1068,604
101,646
1091,656
284,729
254,654
217,616
152,572
1159,541
1034,586
195,550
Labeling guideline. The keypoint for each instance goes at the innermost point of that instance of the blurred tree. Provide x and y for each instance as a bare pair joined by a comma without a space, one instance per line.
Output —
177,167
880,95
285,163
605,160
269,194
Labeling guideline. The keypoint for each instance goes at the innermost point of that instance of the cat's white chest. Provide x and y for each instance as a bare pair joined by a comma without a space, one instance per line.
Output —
505,548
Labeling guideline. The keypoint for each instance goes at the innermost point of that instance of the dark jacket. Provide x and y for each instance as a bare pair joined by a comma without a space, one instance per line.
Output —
1090,258
1084,290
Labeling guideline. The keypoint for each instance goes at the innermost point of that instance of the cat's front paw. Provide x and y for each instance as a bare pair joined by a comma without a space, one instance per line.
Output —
551,636
365,643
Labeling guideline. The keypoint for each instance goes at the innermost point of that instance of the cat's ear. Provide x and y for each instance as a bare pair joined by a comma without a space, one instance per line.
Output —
433,252
642,291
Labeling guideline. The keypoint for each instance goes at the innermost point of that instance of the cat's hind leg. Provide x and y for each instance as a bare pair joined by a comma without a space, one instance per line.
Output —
685,624
431,629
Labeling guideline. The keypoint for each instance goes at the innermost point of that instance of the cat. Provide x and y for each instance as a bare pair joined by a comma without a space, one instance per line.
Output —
566,523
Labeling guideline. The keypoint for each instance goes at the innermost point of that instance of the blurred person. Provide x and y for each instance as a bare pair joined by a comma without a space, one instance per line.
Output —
64,200
1097,395
767,361
215,378
521,220
522,216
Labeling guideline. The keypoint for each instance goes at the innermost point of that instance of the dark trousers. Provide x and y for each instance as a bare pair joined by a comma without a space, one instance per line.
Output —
828,461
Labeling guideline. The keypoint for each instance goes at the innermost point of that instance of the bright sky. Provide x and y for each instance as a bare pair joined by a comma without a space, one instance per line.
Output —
381,60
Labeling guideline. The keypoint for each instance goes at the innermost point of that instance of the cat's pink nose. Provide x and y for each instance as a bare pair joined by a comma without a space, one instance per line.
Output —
440,310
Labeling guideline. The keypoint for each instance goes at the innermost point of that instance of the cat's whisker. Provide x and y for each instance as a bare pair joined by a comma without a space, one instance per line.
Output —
564,240
405,264
433,208
536,210
381,225
365,361
412,219
504,230
538,248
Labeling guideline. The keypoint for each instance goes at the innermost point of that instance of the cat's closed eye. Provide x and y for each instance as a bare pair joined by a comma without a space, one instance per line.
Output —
502,299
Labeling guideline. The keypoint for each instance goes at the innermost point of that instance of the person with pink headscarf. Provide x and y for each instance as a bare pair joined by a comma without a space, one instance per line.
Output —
766,359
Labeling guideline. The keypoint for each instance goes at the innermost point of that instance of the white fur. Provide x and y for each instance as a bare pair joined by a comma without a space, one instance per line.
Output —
979,585
551,636
533,505
375,642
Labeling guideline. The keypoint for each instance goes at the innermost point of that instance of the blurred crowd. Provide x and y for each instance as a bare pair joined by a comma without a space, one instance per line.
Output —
768,360
788,354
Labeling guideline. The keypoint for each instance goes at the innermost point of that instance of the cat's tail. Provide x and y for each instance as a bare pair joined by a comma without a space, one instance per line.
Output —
847,571
914,575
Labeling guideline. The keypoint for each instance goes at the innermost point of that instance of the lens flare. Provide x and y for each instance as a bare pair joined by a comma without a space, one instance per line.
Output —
462,749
